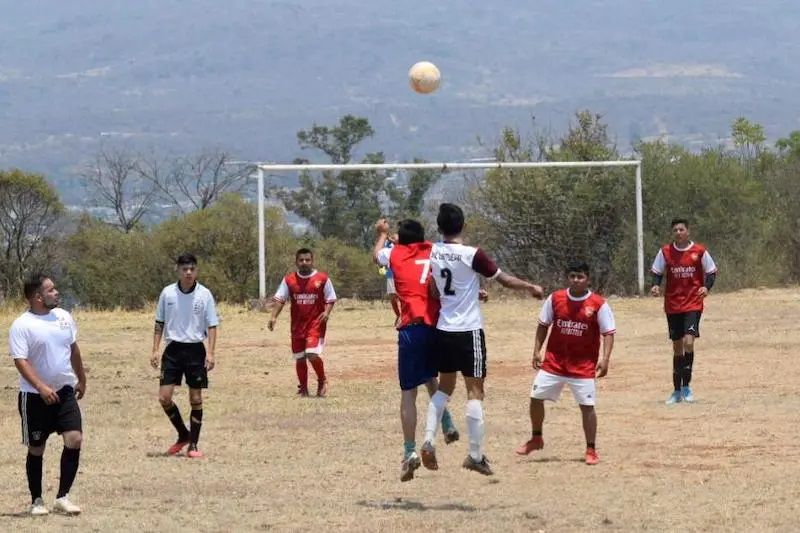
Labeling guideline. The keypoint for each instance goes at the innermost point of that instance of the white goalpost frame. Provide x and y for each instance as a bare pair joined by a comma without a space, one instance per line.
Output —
263,168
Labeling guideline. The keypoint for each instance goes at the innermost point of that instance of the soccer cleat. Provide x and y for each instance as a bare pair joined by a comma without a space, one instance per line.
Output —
674,398
38,508
178,446
63,505
322,389
687,395
194,453
536,443
591,456
410,463
302,391
451,436
429,456
481,467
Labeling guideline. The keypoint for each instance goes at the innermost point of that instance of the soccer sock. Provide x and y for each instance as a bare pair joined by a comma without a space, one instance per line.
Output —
476,428
537,433
195,424
435,411
319,368
33,467
447,421
408,447
175,417
301,366
677,365
70,458
688,360
590,445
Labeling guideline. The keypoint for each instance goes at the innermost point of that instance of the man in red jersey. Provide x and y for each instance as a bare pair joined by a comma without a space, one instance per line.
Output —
577,318
312,298
690,273
409,260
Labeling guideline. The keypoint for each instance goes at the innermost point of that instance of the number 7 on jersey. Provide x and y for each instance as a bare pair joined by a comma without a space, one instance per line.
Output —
426,269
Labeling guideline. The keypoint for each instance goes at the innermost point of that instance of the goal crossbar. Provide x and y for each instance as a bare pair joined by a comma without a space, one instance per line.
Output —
263,168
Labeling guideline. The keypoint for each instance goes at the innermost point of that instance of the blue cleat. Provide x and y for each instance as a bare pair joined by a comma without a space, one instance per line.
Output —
674,398
686,392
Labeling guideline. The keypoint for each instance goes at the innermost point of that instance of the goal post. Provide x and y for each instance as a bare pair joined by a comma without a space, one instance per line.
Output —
263,168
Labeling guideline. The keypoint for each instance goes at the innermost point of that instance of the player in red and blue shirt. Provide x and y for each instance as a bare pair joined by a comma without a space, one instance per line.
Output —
410,261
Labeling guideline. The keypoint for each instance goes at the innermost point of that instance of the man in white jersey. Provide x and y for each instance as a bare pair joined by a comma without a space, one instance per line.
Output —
461,345
186,316
43,343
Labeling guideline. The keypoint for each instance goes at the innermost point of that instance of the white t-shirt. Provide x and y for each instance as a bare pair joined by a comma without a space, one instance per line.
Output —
186,316
455,269
46,342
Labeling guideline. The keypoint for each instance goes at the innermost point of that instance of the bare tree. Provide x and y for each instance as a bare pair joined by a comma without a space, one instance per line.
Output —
194,182
114,178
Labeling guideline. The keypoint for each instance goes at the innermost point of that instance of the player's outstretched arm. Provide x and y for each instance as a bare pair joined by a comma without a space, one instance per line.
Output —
511,282
381,235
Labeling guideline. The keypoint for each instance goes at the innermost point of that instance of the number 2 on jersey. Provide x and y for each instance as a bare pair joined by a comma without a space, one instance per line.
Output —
448,275
426,269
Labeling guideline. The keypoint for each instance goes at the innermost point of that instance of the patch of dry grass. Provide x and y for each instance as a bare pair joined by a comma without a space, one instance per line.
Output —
729,462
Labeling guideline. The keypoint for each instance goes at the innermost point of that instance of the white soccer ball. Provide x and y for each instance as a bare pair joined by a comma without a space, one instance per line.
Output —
424,77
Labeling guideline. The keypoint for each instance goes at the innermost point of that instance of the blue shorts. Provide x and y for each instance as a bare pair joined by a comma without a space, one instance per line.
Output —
415,365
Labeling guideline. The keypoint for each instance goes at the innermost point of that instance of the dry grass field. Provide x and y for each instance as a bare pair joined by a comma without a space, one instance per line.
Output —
277,462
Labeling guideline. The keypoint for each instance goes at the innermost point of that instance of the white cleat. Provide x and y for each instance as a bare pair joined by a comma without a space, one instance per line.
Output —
38,508
63,505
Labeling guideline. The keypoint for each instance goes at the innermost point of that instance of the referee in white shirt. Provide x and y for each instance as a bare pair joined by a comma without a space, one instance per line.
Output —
185,316
43,343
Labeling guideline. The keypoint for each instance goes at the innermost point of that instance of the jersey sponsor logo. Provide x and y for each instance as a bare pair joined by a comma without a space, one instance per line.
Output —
571,327
679,271
446,256
197,307
303,298
63,323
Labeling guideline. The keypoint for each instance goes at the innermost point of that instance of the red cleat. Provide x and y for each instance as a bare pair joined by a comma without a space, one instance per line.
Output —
177,447
536,443
591,456
194,453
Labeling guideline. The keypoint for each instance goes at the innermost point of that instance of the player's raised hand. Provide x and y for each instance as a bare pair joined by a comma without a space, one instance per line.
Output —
602,368
537,291
271,324
382,227
655,290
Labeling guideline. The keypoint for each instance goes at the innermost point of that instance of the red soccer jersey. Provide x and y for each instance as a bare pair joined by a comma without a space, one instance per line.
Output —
685,272
308,295
577,324
411,266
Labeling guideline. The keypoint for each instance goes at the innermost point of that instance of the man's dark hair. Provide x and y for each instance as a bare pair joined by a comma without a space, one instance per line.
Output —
33,284
450,219
186,259
303,251
410,231
578,266
676,221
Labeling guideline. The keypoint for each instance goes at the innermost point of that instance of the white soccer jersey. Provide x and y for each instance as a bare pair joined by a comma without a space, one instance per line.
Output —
186,316
455,270
46,342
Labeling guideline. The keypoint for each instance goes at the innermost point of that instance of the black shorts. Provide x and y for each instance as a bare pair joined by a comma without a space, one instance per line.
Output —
39,420
184,359
682,324
461,351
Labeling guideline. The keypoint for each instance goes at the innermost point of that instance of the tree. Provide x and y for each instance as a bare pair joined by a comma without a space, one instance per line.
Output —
748,138
343,205
29,210
789,146
114,179
194,182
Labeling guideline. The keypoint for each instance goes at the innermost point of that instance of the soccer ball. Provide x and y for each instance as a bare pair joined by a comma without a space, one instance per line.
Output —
424,77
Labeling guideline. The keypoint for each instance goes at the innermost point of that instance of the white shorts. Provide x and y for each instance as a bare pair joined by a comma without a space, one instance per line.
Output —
304,347
548,386
390,286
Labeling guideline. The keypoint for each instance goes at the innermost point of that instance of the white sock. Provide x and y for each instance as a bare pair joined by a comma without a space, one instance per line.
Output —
434,419
475,428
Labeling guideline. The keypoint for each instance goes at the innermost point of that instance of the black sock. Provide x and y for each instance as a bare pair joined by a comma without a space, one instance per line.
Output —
677,367
70,458
590,445
33,467
175,417
196,422
537,433
688,360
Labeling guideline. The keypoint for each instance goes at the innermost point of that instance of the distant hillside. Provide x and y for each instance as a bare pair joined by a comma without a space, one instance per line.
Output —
177,76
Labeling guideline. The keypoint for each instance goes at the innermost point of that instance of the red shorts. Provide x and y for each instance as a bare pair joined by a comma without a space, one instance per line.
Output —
307,345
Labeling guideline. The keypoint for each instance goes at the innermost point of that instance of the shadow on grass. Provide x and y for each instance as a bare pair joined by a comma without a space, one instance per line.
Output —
19,514
400,504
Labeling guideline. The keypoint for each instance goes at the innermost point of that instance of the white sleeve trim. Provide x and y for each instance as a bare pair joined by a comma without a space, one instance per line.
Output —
605,319
659,264
330,294
282,294
709,267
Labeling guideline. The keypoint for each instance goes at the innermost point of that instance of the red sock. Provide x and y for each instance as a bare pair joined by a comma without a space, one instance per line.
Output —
319,368
302,372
